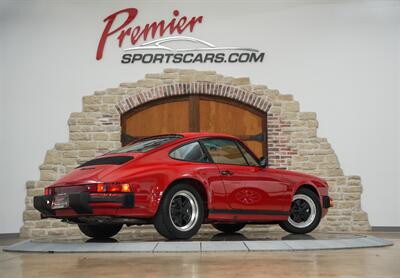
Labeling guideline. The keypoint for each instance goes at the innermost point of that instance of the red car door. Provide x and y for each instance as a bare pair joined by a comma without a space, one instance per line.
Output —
248,186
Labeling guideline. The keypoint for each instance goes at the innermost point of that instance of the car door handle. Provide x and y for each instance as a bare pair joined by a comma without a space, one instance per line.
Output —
226,173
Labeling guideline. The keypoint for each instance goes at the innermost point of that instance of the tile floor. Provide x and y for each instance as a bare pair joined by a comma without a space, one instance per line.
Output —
369,262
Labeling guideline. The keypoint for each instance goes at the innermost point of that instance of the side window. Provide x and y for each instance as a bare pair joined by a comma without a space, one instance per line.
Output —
250,159
190,152
224,151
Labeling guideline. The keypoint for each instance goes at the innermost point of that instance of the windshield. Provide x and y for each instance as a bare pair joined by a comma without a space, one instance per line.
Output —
147,144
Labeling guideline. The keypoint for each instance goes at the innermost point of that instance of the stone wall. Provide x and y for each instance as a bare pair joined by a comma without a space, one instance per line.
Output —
293,143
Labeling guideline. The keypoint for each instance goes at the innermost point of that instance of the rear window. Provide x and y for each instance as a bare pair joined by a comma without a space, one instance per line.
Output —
147,144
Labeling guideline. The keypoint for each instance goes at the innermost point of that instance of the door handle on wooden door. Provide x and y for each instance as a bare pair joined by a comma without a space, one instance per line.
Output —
226,173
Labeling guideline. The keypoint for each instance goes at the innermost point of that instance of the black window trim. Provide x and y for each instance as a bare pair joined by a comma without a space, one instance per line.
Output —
211,160
241,144
236,141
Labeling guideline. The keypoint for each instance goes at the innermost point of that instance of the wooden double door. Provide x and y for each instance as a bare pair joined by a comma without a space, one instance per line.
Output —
197,114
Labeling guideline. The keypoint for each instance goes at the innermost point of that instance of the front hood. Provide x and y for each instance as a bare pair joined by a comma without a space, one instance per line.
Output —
95,170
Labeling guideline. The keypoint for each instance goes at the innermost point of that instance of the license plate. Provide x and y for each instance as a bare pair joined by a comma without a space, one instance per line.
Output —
60,201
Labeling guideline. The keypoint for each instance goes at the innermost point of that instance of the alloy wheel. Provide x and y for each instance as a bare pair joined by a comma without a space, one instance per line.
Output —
183,210
303,211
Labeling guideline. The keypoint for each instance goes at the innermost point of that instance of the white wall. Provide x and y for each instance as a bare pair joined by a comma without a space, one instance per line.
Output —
338,59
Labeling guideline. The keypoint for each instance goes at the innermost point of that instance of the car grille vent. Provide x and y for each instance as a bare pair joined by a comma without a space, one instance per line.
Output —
113,160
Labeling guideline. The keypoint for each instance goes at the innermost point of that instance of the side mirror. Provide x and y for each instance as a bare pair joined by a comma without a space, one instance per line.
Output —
263,161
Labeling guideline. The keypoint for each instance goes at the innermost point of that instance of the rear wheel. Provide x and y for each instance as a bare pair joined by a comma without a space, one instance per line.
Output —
100,231
305,213
180,213
229,228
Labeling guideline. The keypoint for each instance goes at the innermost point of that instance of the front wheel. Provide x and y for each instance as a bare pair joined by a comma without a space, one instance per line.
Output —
180,213
305,213
100,231
229,228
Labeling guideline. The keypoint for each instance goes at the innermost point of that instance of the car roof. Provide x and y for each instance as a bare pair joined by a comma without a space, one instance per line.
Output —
205,134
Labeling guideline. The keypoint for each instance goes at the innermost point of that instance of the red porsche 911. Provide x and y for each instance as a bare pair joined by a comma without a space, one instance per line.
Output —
179,181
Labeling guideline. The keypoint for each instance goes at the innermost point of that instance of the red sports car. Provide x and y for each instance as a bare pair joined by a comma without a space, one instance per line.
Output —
179,181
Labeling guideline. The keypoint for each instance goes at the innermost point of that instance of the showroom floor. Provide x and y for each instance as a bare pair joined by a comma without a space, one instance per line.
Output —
368,262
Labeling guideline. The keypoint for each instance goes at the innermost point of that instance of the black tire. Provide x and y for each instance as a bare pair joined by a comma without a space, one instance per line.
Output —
295,223
229,228
170,209
100,231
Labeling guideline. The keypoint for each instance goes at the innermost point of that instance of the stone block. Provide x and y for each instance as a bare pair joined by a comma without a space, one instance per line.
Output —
105,145
116,91
87,153
312,124
92,108
169,75
186,78
48,175
34,192
291,106
285,97
351,196
38,233
64,146
30,184
70,154
205,78
360,216
100,136
79,136
115,136
31,215
128,85
352,189
148,83
52,157
43,224
85,121
152,76
89,145
307,115
90,100
171,70
241,81
334,172
56,232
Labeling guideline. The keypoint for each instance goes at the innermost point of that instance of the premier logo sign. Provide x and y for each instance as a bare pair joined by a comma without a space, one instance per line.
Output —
163,36
150,30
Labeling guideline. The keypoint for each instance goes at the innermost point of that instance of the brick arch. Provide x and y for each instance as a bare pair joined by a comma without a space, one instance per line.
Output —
194,88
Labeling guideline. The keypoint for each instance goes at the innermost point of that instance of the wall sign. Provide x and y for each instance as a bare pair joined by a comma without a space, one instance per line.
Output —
163,42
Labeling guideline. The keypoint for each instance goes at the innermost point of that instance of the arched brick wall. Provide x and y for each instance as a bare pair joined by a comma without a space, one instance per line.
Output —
292,143
194,88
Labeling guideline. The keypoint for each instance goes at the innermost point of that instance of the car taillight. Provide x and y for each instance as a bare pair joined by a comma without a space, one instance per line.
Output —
48,191
111,188
330,202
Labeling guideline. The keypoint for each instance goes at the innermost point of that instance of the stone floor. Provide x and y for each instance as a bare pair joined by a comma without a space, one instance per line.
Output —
368,262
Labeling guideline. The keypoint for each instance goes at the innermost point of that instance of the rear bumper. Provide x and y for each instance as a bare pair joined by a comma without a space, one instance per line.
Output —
81,203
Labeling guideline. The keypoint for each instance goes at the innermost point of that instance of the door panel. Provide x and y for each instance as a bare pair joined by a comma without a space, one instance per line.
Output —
170,117
253,188
221,117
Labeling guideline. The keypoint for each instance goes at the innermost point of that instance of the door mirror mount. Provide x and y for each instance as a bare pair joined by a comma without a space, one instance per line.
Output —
264,162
